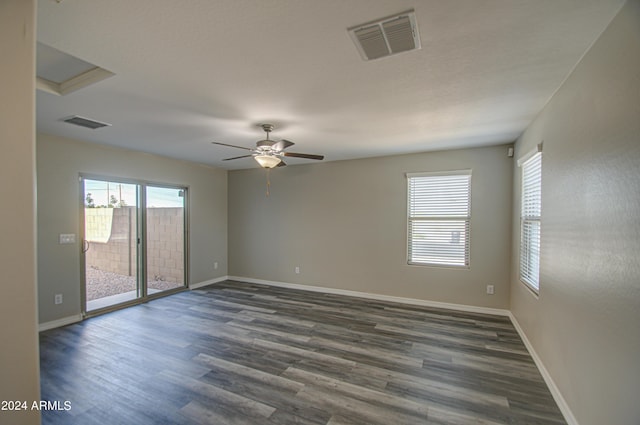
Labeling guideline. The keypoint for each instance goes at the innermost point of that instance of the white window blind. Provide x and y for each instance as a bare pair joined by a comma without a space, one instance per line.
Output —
439,213
530,213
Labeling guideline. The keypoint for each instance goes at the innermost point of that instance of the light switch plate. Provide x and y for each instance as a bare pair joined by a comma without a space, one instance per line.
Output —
67,238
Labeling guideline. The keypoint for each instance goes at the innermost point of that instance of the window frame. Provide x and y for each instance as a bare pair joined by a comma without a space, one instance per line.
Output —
529,256
466,219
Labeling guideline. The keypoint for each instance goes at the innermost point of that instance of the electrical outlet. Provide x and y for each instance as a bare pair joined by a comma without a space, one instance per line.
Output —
57,299
297,270
215,265
490,290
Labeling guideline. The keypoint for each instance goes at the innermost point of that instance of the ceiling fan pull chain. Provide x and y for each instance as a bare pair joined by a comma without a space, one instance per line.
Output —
268,181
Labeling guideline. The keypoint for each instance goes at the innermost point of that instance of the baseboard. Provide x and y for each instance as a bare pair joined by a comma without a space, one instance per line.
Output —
555,392
208,282
60,322
379,297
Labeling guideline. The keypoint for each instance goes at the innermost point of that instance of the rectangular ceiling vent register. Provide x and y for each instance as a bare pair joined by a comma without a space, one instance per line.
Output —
85,122
386,37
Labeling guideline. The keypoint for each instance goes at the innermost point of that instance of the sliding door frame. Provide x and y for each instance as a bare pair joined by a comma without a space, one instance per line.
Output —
141,245
185,234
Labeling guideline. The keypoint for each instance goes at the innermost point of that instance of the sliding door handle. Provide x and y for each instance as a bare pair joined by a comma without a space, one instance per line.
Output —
85,245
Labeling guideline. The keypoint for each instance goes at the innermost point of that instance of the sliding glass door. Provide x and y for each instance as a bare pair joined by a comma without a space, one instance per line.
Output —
133,241
165,222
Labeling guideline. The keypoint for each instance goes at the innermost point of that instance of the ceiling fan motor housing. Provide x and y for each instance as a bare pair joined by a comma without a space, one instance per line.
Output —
266,143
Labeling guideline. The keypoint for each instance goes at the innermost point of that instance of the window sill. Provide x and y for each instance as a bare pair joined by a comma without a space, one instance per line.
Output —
533,291
439,266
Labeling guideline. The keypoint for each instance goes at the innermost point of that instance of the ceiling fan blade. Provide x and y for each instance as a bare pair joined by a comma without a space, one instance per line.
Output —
282,145
232,146
238,157
281,164
303,155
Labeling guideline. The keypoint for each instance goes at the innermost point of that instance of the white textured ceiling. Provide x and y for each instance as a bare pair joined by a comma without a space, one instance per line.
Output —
196,71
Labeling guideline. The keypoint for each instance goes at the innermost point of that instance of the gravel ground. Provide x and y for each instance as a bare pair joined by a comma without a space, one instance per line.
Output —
103,284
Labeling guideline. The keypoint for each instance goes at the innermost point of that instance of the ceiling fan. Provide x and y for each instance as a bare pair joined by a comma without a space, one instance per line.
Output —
269,153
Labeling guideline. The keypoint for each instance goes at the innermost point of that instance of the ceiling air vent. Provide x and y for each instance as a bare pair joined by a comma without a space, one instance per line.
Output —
387,36
85,122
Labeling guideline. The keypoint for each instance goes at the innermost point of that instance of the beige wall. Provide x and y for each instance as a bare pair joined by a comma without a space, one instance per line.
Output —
60,161
344,224
585,326
19,372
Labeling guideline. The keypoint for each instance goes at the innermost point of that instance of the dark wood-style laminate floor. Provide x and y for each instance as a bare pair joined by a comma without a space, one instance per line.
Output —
238,353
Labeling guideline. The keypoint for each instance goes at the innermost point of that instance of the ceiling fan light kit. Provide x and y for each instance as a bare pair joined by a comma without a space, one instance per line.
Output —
267,161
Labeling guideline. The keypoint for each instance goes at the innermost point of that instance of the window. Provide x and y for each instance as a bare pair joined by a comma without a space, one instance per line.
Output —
530,212
439,213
